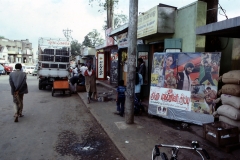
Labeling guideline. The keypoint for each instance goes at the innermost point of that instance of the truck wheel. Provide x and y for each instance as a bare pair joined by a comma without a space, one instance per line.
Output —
39,86
52,92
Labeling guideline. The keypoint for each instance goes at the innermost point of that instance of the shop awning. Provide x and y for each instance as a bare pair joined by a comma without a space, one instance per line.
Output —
227,28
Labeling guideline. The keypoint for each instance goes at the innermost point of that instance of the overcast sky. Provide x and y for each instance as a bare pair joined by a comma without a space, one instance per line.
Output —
31,19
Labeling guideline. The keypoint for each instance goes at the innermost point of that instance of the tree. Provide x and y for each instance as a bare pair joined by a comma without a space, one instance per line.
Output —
75,48
93,39
87,42
107,5
118,20
1,37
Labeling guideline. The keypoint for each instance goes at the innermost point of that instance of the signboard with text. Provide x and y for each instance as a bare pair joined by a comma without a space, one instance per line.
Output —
173,98
100,68
147,23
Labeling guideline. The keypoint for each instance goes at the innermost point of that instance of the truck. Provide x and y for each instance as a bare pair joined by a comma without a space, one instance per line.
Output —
53,61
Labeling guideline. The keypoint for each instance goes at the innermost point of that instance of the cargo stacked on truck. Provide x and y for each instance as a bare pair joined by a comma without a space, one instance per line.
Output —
53,60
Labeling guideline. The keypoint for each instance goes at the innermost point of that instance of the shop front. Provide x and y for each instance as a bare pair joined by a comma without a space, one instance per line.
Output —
107,60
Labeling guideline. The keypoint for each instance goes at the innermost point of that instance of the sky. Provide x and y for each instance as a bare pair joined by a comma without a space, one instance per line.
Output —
32,19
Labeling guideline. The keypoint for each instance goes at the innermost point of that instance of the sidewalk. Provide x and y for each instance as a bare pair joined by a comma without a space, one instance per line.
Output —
137,140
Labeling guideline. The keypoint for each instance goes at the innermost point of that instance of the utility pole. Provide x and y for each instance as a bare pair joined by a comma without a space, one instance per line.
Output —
67,33
131,60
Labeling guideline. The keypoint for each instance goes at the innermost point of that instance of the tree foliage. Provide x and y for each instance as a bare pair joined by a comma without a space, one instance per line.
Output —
119,19
1,37
87,42
92,39
104,4
75,48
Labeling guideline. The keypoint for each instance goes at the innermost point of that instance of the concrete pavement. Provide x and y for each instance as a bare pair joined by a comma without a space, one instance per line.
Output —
137,140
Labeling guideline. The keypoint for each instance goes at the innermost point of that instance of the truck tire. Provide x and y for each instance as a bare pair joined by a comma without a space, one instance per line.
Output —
52,92
39,86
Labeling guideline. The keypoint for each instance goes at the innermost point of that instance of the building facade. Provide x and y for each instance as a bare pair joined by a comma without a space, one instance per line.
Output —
16,51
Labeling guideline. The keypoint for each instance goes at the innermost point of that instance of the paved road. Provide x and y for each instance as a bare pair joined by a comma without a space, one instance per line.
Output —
58,127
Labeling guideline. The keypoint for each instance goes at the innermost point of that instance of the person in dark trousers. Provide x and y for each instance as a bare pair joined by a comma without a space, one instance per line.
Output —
207,76
141,68
17,81
138,84
120,97
74,81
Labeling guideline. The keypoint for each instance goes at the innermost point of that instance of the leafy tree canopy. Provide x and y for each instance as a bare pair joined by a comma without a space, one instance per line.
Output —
87,42
75,48
1,37
92,39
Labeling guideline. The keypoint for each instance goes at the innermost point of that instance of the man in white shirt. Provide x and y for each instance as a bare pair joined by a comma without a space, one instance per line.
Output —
82,70
75,71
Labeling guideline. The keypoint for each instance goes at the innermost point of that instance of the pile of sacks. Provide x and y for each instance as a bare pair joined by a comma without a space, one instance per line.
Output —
229,111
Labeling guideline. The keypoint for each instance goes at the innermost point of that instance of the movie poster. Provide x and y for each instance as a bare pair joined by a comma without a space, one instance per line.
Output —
114,67
193,75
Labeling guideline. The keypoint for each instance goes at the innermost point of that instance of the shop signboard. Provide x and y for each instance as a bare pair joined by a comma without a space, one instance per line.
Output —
184,85
101,63
147,23
122,40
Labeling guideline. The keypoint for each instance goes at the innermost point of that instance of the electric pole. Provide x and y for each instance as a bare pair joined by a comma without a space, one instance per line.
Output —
67,33
131,60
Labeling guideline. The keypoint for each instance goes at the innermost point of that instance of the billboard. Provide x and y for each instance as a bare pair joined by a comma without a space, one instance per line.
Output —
185,85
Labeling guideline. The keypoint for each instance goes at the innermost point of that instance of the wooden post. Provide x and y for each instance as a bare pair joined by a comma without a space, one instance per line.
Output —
131,61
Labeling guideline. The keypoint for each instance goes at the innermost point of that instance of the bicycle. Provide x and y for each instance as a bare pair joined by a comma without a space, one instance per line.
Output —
156,154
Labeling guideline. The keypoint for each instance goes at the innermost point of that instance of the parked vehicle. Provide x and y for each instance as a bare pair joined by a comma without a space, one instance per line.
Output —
7,68
29,69
53,61
34,73
2,71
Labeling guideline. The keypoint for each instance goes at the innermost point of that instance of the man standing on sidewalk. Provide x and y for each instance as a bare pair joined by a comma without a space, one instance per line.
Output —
83,69
17,81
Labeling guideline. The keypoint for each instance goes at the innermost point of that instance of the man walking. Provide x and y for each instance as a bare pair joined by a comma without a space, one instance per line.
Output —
17,81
